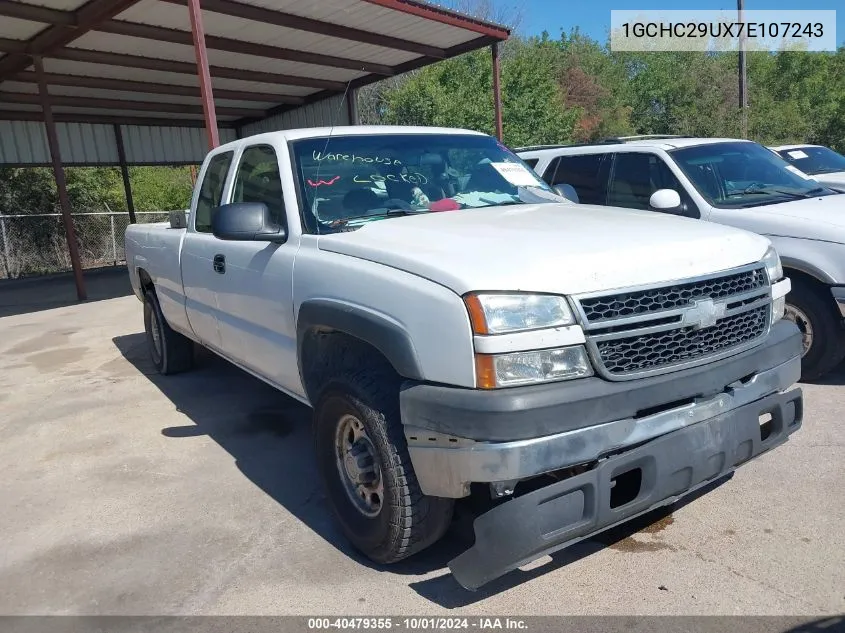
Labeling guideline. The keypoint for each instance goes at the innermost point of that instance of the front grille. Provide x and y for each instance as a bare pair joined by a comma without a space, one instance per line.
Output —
661,349
671,297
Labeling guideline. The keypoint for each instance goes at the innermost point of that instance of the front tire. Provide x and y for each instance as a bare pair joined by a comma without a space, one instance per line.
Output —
821,326
170,351
363,459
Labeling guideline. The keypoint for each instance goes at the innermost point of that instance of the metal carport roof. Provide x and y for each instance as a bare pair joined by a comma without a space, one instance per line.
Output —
134,61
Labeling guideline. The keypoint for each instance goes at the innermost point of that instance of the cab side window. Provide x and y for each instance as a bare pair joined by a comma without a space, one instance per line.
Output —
636,176
258,180
584,173
211,190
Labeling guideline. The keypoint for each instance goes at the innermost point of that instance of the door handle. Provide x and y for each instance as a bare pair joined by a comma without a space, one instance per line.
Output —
220,264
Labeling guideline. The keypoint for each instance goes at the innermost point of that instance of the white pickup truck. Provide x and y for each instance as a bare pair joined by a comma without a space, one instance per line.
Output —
459,329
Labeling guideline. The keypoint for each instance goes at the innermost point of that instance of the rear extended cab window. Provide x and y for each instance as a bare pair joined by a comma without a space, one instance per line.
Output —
586,173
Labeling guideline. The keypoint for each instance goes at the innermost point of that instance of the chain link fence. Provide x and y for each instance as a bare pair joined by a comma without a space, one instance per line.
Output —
35,244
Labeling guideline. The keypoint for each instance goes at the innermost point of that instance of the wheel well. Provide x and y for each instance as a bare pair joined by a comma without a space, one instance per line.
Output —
145,280
798,277
325,354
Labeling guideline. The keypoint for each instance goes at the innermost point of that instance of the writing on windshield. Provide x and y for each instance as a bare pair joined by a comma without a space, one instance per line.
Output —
347,181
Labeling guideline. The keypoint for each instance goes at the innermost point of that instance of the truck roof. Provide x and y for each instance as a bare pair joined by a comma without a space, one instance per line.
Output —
663,142
344,130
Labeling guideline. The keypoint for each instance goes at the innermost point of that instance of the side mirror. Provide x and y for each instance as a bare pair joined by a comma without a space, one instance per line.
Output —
245,221
665,200
567,191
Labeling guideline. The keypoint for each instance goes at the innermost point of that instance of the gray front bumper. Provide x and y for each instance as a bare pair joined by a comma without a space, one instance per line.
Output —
446,465
558,515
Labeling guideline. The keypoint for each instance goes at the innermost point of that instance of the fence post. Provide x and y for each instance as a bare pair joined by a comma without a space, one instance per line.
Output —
5,248
113,242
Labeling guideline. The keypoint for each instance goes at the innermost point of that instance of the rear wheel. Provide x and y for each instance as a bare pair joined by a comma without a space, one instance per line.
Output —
170,351
363,460
821,329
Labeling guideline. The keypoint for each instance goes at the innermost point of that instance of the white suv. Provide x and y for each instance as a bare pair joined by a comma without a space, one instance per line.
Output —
729,181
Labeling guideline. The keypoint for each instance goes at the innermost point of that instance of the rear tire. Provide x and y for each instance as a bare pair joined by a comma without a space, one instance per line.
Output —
816,316
170,351
387,517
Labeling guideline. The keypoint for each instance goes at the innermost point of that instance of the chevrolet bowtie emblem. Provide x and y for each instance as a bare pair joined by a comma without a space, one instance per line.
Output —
704,313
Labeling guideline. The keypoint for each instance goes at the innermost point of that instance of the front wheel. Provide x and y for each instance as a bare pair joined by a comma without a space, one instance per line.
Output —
821,329
363,460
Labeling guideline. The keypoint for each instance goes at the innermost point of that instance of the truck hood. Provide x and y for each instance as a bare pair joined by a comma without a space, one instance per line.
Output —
558,248
820,218
833,179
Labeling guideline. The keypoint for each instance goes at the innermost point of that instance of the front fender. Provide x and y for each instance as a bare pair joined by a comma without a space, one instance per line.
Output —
824,261
379,330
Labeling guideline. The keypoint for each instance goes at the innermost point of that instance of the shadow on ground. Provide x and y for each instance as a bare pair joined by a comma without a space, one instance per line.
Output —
33,294
269,436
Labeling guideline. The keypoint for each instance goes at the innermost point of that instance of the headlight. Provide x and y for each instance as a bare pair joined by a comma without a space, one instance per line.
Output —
500,313
773,266
523,368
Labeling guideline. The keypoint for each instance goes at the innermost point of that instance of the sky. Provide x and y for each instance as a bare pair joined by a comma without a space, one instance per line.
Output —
593,16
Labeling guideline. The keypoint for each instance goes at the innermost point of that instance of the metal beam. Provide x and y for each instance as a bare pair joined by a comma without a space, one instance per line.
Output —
35,13
124,173
198,35
125,85
419,62
186,68
497,91
54,37
444,16
299,23
61,184
69,117
121,104
176,36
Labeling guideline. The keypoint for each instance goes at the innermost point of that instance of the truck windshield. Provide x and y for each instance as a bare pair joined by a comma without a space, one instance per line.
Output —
814,160
743,174
347,181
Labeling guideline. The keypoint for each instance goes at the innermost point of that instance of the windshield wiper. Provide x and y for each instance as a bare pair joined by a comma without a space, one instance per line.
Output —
815,191
769,191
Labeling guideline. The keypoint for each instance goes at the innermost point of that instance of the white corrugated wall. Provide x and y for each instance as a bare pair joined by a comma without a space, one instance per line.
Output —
328,112
25,143
146,144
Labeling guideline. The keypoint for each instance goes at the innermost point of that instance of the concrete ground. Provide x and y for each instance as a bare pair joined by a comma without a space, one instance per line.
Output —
123,492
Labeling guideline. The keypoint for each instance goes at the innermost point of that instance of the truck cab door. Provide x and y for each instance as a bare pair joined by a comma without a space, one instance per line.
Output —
255,285
200,278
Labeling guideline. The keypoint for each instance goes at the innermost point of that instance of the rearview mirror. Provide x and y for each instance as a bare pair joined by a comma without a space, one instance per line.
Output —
245,221
665,200
567,191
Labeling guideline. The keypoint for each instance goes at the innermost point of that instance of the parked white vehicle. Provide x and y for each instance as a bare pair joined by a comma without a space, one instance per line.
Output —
459,329
818,161
734,182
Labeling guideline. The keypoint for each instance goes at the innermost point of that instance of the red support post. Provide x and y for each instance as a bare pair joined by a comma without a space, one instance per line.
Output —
497,91
61,183
205,76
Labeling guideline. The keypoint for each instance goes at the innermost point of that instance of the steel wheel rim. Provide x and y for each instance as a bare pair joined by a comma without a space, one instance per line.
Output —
155,333
800,318
358,467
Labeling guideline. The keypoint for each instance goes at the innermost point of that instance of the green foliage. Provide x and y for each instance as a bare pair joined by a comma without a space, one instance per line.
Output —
575,88
161,188
458,93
